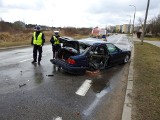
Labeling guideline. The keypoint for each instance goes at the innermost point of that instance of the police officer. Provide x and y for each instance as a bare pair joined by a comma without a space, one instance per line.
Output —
38,40
104,37
55,43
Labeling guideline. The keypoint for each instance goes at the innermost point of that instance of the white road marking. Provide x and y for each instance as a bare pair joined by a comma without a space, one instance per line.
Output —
120,38
84,88
28,59
58,118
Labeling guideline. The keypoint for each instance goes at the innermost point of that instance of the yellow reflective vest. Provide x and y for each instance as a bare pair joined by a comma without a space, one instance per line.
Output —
37,41
56,41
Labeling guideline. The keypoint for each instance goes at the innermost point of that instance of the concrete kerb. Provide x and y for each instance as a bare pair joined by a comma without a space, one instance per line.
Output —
127,108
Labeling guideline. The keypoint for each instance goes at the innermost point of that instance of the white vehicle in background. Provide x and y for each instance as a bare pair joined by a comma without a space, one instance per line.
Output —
100,33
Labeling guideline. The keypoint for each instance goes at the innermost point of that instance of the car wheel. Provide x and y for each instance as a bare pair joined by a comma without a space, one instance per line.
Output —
126,59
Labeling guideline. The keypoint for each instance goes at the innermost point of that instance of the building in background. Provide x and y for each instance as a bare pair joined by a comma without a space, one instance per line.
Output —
118,28
125,28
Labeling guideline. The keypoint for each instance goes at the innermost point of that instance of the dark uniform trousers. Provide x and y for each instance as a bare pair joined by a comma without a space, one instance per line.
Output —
35,49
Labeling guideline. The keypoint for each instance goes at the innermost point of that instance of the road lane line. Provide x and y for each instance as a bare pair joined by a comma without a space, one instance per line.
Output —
120,38
84,88
28,59
58,118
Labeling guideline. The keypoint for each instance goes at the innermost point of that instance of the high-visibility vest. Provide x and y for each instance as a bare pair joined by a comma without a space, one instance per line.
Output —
37,41
56,41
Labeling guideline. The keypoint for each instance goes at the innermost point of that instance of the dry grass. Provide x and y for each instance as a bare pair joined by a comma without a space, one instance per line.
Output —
24,38
10,39
146,82
77,36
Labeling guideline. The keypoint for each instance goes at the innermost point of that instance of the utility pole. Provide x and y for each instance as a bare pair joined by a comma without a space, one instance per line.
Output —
144,26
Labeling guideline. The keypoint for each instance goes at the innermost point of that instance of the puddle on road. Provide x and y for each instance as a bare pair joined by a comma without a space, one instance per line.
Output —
96,101
99,85
99,82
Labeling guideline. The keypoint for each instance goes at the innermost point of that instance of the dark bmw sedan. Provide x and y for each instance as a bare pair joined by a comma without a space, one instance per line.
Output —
77,56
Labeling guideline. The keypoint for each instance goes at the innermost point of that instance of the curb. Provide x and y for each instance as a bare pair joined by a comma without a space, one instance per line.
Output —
127,108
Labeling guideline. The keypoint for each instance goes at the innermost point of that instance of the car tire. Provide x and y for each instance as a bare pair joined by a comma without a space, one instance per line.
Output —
126,59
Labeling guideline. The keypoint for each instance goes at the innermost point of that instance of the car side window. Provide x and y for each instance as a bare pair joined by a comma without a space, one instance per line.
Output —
83,47
112,48
99,50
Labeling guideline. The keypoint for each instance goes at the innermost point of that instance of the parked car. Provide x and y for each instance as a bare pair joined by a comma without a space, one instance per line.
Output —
77,56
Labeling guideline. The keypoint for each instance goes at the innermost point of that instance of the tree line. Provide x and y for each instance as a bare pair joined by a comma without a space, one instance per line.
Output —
153,26
20,26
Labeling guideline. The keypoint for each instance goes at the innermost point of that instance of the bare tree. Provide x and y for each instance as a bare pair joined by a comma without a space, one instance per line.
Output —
140,20
155,25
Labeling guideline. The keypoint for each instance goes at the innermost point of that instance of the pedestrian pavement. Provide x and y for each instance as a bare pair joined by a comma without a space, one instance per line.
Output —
127,107
156,43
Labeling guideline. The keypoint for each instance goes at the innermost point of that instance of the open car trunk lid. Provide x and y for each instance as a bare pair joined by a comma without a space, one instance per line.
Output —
69,42
70,47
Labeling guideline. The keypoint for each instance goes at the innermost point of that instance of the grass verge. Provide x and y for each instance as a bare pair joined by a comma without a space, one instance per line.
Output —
152,38
146,102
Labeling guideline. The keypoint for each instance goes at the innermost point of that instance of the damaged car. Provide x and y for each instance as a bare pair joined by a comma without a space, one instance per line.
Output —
77,56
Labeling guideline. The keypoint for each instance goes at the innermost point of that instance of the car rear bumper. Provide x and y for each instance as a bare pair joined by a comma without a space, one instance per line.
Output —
67,67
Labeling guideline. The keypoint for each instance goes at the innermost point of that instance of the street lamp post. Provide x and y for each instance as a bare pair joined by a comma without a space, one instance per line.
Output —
133,18
129,28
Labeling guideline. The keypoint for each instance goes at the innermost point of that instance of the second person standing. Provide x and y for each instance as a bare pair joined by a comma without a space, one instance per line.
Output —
55,43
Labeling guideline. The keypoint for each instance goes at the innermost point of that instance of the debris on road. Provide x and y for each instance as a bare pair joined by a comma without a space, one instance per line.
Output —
50,75
78,113
22,85
93,73
21,72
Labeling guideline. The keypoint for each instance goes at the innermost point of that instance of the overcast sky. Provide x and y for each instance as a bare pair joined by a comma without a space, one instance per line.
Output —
76,13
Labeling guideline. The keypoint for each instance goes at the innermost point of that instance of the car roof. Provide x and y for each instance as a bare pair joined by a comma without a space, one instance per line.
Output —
66,38
91,41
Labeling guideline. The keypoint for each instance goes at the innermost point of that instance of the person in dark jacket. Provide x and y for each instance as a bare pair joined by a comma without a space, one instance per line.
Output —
55,43
38,40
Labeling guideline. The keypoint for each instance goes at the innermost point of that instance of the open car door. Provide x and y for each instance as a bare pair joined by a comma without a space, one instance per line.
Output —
98,57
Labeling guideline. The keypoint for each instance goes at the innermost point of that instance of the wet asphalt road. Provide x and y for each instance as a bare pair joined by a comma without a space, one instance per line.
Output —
41,92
